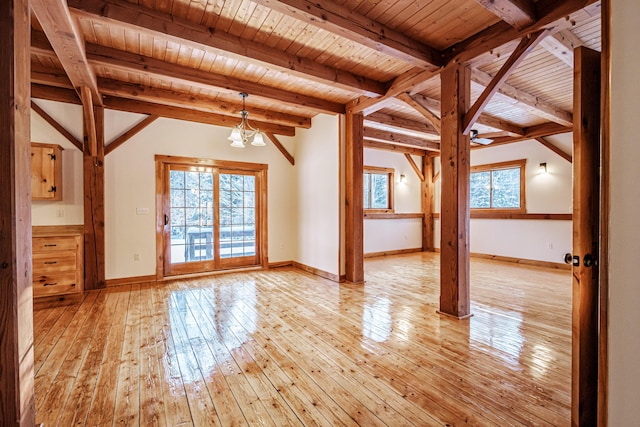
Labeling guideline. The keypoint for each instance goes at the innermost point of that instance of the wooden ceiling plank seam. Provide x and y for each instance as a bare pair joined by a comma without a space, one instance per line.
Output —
199,102
551,14
130,133
526,45
517,13
560,46
126,61
276,142
184,32
558,151
525,100
358,28
149,108
57,126
422,109
399,138
415,167
397,148
66,39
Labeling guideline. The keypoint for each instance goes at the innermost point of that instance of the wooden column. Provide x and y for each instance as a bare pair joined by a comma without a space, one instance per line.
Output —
454,216
16,297
586,233
427,196
354,224
94,248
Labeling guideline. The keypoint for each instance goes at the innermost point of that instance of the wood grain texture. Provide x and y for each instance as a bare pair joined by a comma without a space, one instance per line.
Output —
427,201
17,407
558,151
586,233
285,347
354,225
94,219
388,146
276,142
130,133
455,164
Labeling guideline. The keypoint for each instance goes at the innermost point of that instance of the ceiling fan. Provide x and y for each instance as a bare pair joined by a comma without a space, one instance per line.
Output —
473,134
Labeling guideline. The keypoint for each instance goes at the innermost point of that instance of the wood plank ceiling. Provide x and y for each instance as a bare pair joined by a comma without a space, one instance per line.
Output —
296,58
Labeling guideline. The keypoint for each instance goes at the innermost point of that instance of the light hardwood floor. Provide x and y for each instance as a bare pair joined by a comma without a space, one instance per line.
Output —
284,347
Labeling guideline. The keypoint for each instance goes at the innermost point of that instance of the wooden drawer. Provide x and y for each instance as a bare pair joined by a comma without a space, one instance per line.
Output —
42,244
55,284
54,262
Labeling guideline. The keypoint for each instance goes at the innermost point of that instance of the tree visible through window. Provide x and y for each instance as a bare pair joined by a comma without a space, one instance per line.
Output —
378,189
498,186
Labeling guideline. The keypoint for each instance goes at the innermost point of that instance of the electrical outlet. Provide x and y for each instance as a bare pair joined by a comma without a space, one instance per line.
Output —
136,257
549,245
60,213
142,211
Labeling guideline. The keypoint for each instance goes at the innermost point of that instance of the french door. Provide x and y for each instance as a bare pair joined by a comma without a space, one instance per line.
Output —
213,215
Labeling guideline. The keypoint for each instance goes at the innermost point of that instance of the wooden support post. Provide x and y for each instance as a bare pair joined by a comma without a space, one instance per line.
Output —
454,218
94,247
586,234
427,198
354,224
16,298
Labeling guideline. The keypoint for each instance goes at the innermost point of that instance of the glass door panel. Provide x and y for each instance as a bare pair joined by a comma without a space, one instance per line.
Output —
237,218
191,218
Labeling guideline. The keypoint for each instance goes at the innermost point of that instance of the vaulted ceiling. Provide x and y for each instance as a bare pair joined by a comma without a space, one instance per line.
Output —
189,59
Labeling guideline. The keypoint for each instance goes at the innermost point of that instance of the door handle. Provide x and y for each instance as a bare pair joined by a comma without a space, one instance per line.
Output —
166,219
572,259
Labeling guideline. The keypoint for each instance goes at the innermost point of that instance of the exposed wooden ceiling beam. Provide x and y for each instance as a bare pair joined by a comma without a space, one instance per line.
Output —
89,121
151,67
400,122
548,13
130,133
561,45
525,100
533,132
387,146
484,119
526,45
276,142
67,42
403,83
414,166
398,138
422,108
559,152
517,13
167,27
52,93
57,126
189,115
196,102
343,21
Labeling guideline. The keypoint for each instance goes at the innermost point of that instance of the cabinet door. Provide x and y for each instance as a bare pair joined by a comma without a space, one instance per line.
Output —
45,172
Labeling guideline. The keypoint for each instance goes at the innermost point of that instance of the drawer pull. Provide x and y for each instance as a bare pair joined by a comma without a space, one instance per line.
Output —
51,262
49,245
50,284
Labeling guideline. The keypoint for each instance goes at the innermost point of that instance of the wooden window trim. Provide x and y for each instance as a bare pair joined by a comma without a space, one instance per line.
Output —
391,173
520,163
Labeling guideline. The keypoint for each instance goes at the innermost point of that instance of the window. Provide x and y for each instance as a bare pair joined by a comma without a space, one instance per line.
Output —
378,189
498,186
211,215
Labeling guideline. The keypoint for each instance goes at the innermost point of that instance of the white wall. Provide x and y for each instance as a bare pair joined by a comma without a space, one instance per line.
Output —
395,234
69,210
624,282
130,183
542,240
318,194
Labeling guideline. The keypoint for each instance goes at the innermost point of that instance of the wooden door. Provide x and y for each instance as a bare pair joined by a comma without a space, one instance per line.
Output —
586,223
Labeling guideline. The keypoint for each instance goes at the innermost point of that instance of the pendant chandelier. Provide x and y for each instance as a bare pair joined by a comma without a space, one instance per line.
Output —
244,133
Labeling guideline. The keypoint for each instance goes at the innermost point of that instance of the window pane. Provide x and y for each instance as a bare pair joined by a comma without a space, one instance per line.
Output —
192,180
176,179
480,187
177,198
367,190
206,181
379,191
249,183
506,188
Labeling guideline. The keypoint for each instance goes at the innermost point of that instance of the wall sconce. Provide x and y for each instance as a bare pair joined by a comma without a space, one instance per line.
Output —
542,168
403,178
